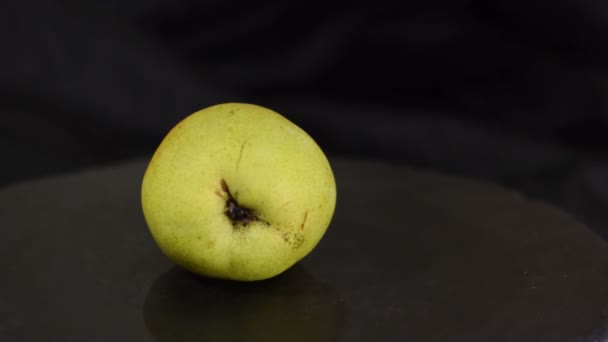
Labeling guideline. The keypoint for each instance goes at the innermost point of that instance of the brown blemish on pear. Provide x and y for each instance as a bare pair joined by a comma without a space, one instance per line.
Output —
297,240
238,160
304,221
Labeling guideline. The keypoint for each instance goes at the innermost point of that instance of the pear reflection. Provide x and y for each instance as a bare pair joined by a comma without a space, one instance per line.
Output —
291,307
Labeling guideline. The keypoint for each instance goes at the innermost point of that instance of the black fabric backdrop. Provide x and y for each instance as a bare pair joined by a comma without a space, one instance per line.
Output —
513,91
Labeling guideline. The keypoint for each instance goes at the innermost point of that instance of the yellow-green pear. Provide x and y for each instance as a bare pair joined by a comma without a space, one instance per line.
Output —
237,191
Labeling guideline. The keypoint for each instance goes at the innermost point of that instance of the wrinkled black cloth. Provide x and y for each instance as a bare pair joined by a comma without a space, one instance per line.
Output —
509,91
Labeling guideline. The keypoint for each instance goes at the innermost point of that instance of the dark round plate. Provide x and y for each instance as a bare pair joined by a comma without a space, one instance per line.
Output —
410,256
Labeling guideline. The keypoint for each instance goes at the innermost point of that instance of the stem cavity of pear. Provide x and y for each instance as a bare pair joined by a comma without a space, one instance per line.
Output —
238,215
241,217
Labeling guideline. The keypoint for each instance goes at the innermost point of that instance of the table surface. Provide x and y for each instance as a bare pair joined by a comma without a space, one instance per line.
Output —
410,255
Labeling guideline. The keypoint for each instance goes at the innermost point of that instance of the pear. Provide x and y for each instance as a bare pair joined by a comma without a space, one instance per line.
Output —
236,191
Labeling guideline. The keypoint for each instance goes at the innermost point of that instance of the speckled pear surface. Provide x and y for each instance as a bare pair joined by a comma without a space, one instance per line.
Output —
237,191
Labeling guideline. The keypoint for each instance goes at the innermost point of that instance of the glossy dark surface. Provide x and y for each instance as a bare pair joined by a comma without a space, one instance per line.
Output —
410,255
